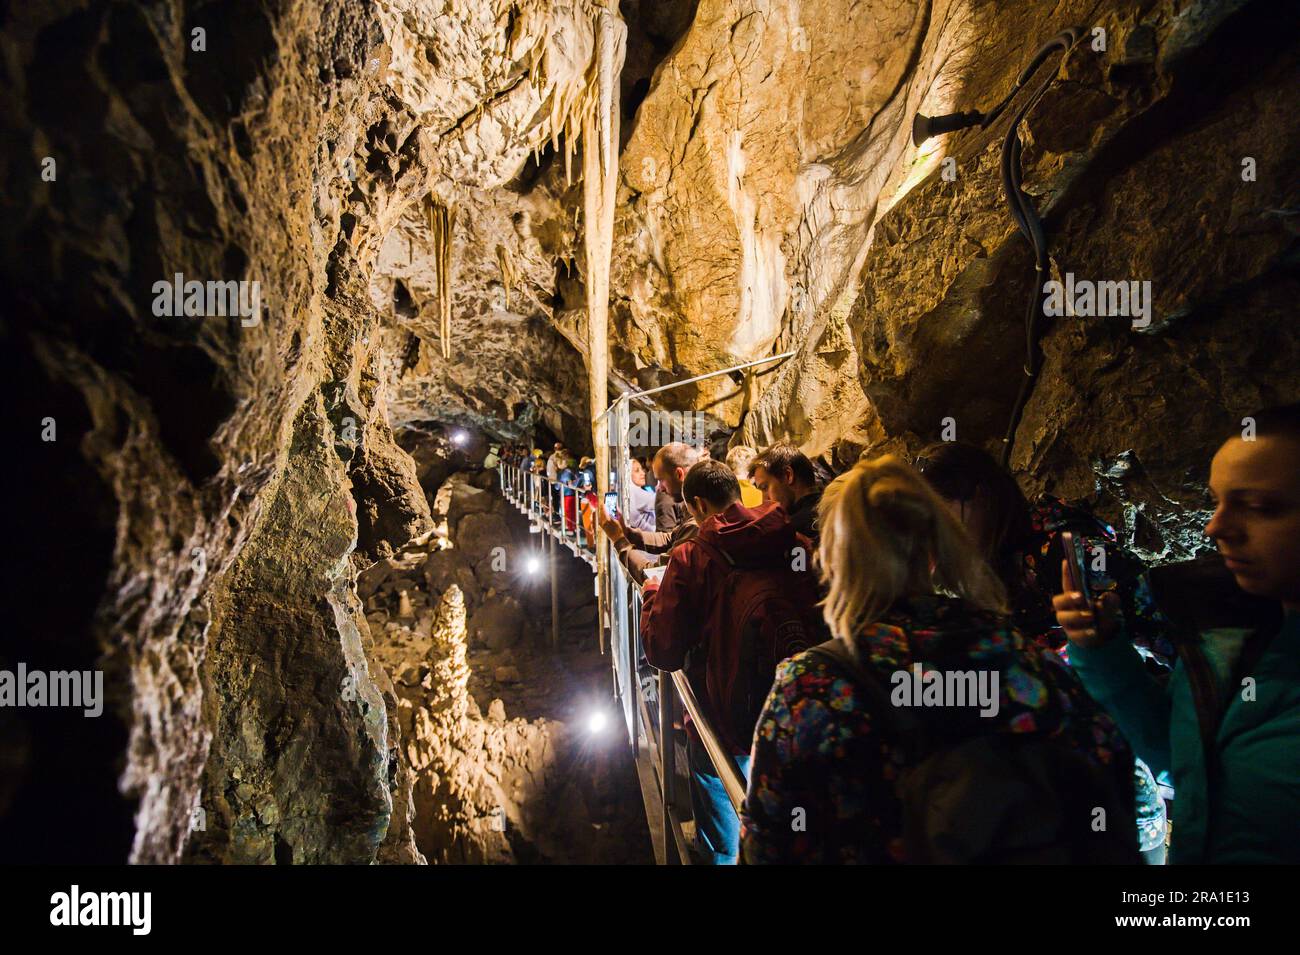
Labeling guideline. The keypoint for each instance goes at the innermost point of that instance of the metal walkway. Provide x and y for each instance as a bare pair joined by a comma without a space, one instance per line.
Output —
653,702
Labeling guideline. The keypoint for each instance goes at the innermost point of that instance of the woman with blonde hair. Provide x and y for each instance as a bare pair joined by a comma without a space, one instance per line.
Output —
928,730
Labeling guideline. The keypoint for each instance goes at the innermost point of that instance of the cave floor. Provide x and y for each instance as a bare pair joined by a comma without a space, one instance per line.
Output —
529,680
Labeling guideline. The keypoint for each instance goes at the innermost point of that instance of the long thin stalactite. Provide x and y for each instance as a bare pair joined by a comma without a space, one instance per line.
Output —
440,220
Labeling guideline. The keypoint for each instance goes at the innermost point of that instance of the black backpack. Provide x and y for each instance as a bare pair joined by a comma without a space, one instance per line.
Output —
995,798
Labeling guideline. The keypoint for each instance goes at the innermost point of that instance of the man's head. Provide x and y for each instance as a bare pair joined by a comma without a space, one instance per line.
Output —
981,493
1255,483
784,474
558,447
670,465
739,460
710,488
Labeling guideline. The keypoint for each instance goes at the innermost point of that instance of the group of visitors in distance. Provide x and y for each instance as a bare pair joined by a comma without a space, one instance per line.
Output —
913,663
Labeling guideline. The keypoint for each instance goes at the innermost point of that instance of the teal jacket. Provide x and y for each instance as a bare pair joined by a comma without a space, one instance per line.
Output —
1249,812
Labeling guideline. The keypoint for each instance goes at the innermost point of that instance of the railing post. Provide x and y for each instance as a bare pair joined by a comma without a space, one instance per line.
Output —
668,765
631,624
555,592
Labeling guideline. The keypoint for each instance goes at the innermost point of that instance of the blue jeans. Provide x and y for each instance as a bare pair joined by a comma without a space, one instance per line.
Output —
717,828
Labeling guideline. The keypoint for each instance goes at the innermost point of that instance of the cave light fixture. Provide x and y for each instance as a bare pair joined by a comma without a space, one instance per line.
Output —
458,437
597,721
533,565
926,127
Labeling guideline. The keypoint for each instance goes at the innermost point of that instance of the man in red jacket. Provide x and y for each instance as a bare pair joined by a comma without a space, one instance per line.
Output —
736,599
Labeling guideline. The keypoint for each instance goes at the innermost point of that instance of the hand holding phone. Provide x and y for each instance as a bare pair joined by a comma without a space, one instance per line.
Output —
1076,571
611,505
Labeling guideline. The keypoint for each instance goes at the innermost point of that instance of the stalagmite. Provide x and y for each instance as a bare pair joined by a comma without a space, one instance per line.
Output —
440,218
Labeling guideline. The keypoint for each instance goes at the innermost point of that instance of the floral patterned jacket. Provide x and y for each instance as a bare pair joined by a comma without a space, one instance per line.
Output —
821,784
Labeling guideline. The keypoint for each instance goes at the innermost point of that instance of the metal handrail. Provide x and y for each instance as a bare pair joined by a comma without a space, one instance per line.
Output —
629,395
723,761
672,687
532,502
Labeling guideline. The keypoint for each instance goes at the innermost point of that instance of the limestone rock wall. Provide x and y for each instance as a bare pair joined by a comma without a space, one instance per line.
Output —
776,136
246,457
226,481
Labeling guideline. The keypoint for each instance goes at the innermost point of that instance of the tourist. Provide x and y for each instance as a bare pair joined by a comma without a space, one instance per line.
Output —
786,476
1022,543
641,515
731,604
566,481
1227,725
555,462
929,729
637,549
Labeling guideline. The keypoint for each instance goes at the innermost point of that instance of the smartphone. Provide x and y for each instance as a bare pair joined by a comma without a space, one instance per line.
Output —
611,504
1075,567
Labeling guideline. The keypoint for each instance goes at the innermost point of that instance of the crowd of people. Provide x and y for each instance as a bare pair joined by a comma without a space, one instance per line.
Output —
568,496
915,663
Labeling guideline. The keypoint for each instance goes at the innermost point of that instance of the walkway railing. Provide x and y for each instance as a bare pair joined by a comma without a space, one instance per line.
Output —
654,703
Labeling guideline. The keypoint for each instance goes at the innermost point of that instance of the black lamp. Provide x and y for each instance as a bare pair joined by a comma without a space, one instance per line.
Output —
923,127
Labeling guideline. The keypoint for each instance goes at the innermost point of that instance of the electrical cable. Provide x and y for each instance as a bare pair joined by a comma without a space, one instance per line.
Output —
1027,219
1021,207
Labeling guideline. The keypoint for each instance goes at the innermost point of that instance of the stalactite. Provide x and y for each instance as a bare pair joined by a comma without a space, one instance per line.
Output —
440,220
600,175
509,271
571,106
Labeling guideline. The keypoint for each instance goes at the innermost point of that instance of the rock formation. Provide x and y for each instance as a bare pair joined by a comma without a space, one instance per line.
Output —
402,180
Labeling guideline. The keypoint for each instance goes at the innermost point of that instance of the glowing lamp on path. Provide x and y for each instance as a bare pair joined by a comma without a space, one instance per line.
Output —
458,438
597,722
533,565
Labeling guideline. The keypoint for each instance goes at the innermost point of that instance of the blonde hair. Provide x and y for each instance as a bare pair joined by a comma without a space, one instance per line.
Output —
739,458
885,535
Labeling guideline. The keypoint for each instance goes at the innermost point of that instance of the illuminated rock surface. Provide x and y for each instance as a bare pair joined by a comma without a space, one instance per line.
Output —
225,488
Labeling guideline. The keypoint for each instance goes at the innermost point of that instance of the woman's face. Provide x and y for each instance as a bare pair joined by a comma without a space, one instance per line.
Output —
638,473
1256,522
